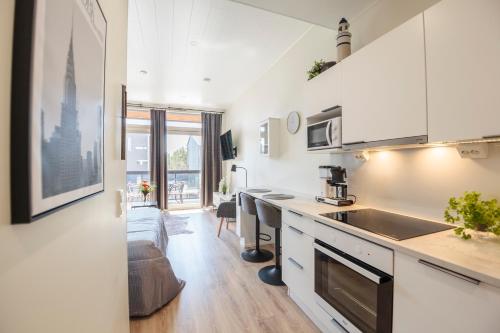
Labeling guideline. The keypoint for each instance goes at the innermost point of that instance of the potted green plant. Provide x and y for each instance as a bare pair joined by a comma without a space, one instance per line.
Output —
476,214
223,187
319,67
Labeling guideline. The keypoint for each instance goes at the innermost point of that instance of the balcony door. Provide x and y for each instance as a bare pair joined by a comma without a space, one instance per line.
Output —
184,164
183,158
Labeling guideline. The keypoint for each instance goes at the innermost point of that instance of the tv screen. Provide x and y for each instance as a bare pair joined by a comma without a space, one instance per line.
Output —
226,143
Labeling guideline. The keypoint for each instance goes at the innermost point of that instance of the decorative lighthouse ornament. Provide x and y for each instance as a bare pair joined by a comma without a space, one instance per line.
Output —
343,40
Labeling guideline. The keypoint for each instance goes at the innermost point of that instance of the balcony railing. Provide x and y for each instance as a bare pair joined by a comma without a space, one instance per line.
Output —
184,186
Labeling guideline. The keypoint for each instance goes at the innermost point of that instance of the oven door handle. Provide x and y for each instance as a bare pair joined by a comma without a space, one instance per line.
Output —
366,273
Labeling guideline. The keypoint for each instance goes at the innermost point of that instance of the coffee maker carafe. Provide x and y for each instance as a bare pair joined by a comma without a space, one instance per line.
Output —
334,186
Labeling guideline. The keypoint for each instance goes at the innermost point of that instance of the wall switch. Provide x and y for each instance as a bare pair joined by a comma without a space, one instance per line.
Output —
119,202
473,150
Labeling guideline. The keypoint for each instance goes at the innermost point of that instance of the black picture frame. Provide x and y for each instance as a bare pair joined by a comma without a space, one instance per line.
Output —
22,115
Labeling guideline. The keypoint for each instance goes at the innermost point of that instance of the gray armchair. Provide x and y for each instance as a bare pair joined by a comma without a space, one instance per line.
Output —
225,211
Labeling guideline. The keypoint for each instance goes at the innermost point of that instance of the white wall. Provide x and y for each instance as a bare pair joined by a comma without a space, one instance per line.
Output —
416,182
67,272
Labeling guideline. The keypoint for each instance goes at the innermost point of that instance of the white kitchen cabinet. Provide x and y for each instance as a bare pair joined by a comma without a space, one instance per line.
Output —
298,263
463,71
269,136
383,96
299,221
324,91
429,300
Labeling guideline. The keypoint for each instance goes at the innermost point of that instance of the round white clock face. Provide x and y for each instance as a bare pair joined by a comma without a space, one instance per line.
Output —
293,122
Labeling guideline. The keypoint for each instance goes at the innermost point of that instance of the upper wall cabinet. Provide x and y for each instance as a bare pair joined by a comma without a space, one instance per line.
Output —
269,137
384,94
463,69
324,91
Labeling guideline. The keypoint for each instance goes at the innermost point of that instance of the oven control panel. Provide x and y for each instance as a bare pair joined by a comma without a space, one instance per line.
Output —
374,255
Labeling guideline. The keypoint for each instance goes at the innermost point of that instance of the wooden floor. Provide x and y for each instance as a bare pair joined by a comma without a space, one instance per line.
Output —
222,292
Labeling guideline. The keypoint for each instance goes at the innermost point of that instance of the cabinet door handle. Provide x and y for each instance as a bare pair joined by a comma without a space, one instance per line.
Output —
353,143
291,211
332,108
295,229
491,136
299,266
449,272
339,325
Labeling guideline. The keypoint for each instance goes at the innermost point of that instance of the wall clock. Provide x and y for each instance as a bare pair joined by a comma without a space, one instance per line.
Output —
293,122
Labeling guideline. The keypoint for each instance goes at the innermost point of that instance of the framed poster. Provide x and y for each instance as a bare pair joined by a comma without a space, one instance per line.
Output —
57,107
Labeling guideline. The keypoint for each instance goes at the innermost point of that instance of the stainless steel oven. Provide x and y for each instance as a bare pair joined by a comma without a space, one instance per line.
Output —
356,295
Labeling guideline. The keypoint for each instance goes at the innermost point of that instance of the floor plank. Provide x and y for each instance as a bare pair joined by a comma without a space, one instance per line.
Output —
222,292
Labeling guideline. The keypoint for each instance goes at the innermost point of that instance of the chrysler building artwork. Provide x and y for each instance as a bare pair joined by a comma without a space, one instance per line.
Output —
63,162
64,168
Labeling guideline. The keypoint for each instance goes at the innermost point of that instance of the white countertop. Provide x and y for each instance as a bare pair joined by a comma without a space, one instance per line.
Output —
477,258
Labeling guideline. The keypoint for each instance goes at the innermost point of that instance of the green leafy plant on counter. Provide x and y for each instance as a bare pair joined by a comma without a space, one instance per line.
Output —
476,214
315,69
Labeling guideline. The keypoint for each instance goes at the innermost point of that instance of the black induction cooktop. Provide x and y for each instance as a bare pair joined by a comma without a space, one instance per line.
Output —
394,226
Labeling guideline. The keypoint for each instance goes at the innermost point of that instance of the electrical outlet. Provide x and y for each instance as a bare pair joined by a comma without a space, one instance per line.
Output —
362,156
473,150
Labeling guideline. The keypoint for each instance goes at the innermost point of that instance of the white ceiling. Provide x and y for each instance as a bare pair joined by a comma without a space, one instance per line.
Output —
181,42
326,13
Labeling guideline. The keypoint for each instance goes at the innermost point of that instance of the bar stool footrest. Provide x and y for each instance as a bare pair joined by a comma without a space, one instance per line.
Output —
265,237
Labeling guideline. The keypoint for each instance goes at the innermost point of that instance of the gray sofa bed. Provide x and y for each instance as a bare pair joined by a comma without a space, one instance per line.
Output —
152,282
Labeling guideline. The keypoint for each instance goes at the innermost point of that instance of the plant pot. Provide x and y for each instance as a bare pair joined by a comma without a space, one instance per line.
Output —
481,227
327,65
482,235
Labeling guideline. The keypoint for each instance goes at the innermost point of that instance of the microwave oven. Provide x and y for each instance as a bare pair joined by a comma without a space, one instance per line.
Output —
326,134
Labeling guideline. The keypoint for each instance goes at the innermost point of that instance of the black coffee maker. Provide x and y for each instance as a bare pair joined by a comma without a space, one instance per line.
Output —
338,182
335,192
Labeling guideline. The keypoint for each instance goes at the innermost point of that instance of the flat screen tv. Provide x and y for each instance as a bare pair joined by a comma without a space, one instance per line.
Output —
226,143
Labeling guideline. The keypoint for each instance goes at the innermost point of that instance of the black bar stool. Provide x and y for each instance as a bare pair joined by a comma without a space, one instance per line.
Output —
271,216
253,255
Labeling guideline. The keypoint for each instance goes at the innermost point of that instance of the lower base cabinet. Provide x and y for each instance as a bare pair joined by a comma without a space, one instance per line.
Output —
427,298
298,263
298,274
430,300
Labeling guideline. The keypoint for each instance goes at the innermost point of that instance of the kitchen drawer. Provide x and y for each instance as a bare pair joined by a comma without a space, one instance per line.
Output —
374,255
299,280
298,263
327,323
298,221
299,246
